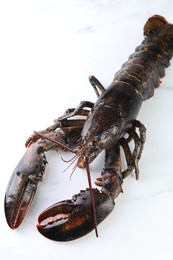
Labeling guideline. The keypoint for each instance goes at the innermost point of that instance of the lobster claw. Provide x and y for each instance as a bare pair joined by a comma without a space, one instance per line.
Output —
71,219
23,185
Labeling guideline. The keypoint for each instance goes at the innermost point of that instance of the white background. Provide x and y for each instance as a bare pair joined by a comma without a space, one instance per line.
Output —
47,51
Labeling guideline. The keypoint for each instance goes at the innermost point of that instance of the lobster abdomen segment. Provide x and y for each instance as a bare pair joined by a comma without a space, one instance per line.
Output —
147,64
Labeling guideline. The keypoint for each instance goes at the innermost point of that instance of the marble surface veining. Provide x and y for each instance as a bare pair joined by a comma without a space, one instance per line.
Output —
48,50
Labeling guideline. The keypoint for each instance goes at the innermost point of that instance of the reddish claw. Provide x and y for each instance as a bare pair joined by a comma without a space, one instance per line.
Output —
71,219
23,185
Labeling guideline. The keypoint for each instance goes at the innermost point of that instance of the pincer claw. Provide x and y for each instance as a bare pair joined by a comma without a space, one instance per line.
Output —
23,185
71,219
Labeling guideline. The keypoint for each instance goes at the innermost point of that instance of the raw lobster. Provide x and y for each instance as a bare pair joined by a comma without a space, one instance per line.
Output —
107,124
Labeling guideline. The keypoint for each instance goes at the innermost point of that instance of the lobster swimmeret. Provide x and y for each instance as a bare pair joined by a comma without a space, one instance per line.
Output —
106,125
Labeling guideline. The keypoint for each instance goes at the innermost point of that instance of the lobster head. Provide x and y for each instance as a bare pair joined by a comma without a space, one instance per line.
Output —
101,131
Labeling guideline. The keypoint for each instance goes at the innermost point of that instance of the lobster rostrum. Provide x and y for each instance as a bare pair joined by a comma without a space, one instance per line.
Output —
107,124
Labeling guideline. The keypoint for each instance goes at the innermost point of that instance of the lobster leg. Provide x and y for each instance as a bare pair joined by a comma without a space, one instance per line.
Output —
111,176
77,111
95,83
129,159
62,123
29,171
132,158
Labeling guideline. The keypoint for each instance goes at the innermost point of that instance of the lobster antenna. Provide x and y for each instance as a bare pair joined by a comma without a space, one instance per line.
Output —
92,198
54,141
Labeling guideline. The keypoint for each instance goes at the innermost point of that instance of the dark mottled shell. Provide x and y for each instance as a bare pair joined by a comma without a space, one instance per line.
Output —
147,64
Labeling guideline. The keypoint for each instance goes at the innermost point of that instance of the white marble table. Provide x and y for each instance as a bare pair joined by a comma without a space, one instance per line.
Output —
48,50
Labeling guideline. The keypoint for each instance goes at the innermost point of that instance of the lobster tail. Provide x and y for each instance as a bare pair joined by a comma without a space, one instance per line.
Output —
147,64
154,25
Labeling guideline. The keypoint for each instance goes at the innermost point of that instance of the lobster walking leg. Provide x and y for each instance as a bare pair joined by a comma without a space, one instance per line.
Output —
96,85
111,176
77,111
132,158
